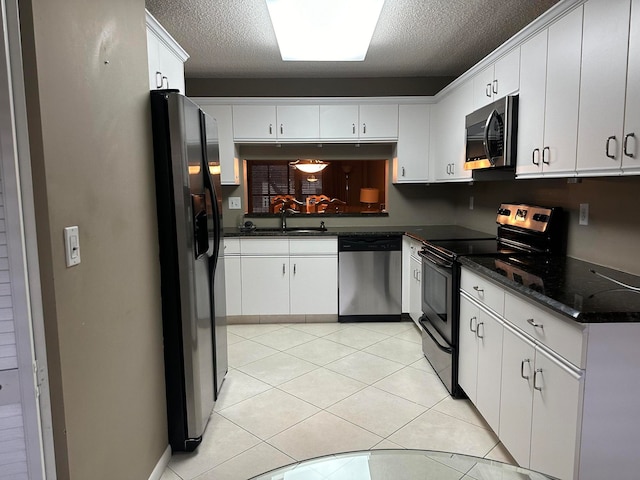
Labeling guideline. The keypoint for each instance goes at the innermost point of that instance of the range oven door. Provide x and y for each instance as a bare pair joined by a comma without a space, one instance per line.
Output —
439,353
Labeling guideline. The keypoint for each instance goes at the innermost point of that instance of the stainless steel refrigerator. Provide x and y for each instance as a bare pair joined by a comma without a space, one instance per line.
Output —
189,206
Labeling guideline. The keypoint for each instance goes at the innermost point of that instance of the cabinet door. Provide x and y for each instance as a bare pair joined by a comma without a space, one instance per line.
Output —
506,75
516,401
562,95
412,160
379,122
229,162
482,88
265,285
298,122
533,77
631,154
254,122
314,285
153,58
415,290
602,86
172,68
468,350
489,334
339,122
233,285
555,425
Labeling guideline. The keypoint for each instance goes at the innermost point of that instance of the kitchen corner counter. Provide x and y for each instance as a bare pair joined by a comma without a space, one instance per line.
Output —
418,232
565,285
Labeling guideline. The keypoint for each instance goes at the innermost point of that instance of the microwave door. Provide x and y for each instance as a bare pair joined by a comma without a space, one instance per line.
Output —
494,137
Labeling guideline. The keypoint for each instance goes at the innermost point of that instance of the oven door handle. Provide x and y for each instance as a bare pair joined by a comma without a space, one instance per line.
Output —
438,262
445,349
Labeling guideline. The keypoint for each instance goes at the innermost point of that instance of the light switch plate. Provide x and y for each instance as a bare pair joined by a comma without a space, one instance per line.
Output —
72,246
584,214
234,203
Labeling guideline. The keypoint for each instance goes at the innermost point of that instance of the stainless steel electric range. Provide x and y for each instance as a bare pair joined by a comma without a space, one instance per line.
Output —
522,229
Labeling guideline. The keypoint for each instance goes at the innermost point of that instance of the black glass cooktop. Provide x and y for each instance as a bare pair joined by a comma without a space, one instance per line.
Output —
457,248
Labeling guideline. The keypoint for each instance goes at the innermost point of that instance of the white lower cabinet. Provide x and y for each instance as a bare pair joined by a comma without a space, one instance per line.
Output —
313,285
411,279
265,285
232,276
415,290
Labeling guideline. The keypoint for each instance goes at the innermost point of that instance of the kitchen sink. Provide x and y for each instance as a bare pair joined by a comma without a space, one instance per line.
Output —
291,230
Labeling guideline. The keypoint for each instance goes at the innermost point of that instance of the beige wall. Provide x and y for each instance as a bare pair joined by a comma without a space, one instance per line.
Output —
612,236
89,124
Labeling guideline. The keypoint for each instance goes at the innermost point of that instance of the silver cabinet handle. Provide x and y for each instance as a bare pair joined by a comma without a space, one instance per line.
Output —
487,90
163,79
158,79
294,268
495,86
283,269
527,361
478,289
548,150
471,320
625,149
281,129
533,323
453,169
606,147
353,128
364,128
535,379
480,324
403,171
270,129
533,156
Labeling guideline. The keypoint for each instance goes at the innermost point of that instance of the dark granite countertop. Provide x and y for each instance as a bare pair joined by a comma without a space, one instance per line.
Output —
565,285
418,232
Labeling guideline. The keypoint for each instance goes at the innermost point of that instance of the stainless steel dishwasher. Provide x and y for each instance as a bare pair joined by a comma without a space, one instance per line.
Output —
369,276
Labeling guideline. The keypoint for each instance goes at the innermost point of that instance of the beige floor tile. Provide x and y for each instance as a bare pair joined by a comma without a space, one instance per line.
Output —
252,330
386,328
169,474
461,409
364,367
233,338
387,445
321,351
322,387
411,335
356,337
255,461
278,368
501,454
323,434
436,431
416,385
423,364
221,441
238,386
269,413
319,329
245,352
283,338
385,413
397,350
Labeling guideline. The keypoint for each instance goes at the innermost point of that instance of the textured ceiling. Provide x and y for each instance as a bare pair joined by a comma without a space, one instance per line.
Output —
413,38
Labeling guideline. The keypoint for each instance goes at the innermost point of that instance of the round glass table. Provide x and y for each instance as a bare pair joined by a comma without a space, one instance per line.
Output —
400,465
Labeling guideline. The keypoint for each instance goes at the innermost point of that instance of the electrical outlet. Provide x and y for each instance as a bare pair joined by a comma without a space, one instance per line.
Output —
584,214
234,203
471,202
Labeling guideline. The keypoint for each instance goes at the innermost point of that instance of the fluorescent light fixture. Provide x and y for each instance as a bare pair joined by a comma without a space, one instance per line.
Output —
324,30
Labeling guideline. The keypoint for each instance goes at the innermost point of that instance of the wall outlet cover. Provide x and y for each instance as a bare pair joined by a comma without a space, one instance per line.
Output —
235,203
584,214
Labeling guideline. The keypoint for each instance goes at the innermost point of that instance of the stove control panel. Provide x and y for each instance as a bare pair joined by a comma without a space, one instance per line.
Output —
529,217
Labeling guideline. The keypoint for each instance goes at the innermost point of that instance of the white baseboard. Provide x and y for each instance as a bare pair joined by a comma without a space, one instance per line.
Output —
161,465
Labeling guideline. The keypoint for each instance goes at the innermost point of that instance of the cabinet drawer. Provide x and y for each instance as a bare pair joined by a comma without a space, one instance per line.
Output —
559,335
264,246
232,246
483,290
313,246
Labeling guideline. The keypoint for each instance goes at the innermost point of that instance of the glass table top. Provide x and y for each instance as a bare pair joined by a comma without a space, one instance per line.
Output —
400,465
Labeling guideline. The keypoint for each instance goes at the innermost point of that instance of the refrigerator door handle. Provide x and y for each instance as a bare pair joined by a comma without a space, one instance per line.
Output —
200,235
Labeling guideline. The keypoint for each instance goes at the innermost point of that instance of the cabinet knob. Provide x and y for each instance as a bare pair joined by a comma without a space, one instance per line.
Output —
283,269
163,79
294,268
535,379
281,129
547,157
533,323
606,147
471,322
487,90
533,156
270,129
353,128
495,87
480,324
364,128
478,289
403,171
528,362
626,144
158,80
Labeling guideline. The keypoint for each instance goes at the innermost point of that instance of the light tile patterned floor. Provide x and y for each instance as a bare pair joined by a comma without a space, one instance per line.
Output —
297,391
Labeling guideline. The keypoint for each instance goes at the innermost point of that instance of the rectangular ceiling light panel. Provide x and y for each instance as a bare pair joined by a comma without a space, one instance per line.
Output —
324,30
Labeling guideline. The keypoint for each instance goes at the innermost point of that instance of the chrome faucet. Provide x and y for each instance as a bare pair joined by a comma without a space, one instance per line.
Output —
283,216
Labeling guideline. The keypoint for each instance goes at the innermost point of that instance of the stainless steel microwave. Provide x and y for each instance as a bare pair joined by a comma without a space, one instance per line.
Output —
492,132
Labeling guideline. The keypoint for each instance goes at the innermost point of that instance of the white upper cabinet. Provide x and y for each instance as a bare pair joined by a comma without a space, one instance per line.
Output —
549,99
229,161
602,86
497,80
378,122
165,58
412,155
254,122
631,140
339,122
448,135
298,122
